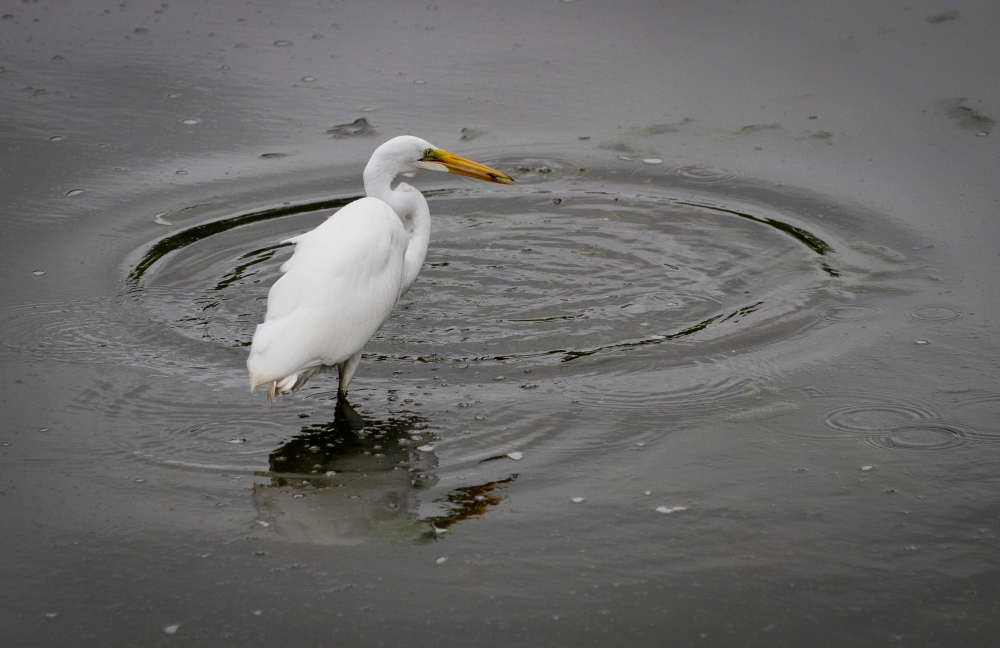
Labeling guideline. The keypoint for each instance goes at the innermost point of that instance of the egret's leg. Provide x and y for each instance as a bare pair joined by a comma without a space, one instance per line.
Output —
346,371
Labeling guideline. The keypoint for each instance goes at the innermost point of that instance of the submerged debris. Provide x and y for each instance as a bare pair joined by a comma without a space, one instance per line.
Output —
944,16
469,134
357,128
967,118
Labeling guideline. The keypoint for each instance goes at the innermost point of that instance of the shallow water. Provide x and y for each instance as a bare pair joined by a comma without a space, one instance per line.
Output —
719,368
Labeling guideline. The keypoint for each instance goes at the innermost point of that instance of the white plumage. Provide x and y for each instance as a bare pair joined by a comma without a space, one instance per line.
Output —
345,276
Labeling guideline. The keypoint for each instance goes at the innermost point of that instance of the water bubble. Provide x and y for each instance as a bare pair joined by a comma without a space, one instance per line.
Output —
668,509
441,560
282,43
180,172
516,456
498,378
577,500
258,612
330,473
921,342
647,492
75,192
38,273
426,448
172,629
174,95
308,79
982,134
652,160
867,467
529,386
191,121
56,138
51,615
419,82
140,480
237,440
263,523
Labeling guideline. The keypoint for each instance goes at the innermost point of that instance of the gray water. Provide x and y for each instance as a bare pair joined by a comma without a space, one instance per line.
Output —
719,369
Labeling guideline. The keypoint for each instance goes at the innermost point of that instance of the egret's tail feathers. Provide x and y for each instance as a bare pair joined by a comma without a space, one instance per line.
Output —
289,383
276,387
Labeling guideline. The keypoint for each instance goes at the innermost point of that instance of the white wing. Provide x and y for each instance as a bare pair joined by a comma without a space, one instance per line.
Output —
337,289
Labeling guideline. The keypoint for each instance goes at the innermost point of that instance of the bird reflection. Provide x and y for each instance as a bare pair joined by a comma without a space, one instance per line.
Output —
353,479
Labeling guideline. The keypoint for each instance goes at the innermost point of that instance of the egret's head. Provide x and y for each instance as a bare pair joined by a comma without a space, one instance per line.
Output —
407,153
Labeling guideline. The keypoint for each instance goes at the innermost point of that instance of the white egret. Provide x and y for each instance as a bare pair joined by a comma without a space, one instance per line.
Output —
345,276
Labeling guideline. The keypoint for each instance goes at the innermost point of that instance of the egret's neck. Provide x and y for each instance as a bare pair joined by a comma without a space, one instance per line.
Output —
378,179
410,206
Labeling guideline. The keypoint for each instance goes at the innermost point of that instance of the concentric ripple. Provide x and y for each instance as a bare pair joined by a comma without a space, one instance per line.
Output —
936,313
869,418
851,312
705,175
898,425
921,437
521,275
577,289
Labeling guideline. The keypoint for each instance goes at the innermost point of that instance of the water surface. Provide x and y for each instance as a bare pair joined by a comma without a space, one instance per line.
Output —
719,369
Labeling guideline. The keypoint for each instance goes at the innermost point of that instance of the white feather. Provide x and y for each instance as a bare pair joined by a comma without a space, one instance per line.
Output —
344,277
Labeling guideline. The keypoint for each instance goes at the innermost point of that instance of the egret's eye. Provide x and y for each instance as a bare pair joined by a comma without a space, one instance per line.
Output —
429,153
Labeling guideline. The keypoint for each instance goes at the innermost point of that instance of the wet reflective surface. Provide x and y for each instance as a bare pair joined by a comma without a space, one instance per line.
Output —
719,369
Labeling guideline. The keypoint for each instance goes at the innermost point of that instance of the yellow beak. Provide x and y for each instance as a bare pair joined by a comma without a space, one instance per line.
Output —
461,166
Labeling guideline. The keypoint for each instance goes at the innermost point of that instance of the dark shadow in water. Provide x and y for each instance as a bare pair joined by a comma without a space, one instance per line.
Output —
568,354
250,259
356,479
813,242
691,330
